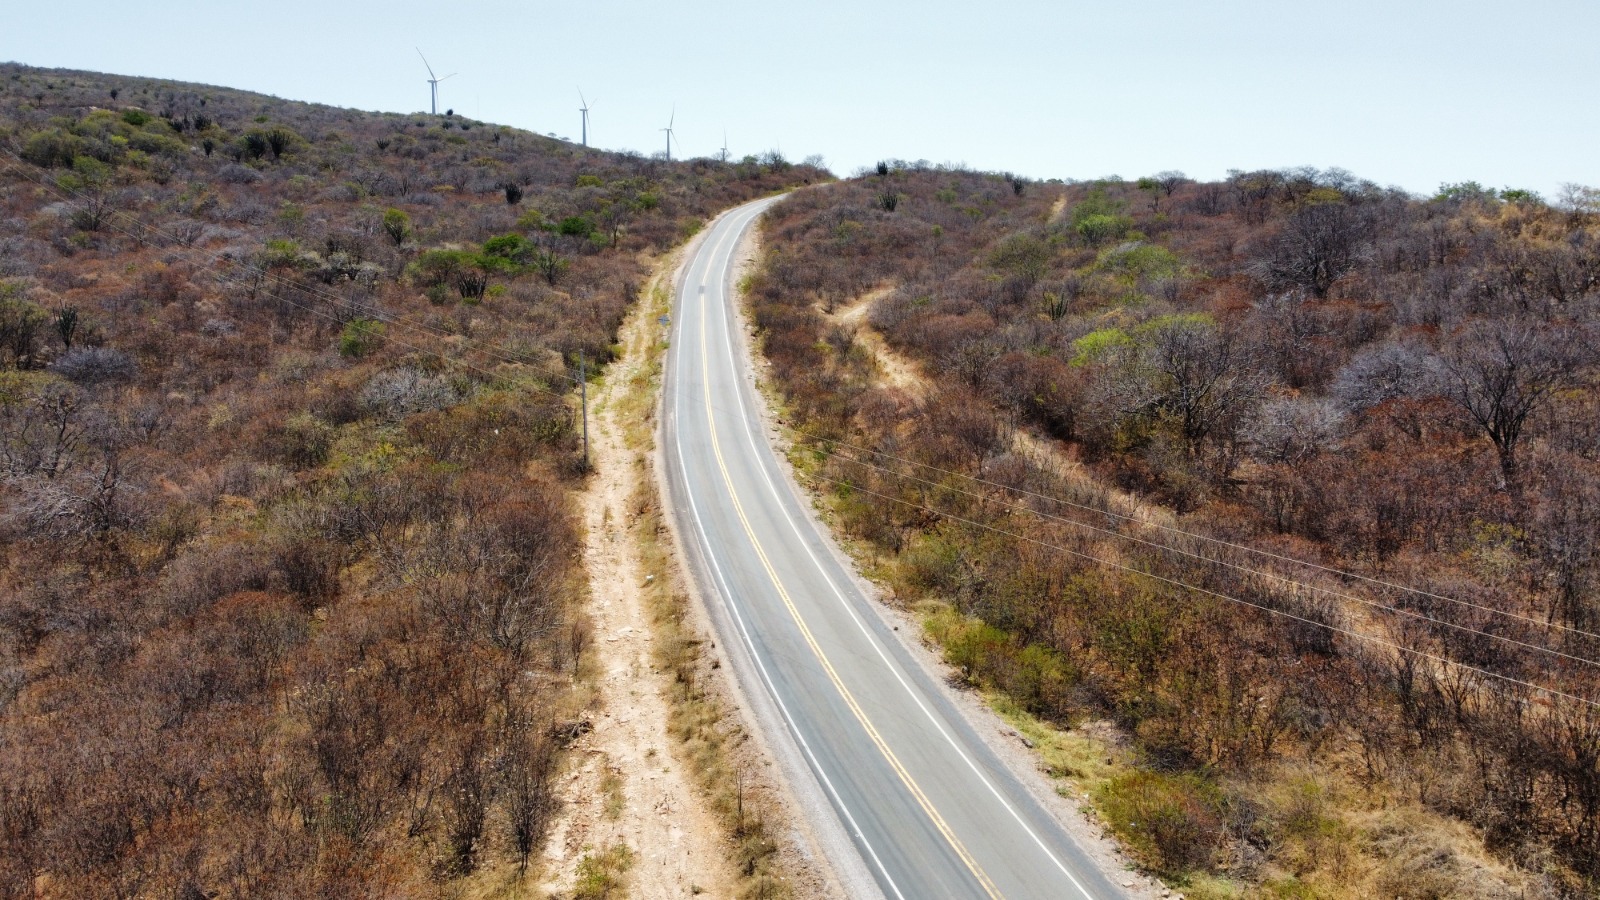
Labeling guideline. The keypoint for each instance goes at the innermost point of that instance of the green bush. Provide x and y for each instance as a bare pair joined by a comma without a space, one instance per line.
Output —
1100,229
360,337
1041,680
22,324
600,875
1134,628
1098,219
152,142
513,248
1140,260
976,648
53,148
468,272
1033,675
575,226
933,564
305,441
1172,823
1097,345
397,225
1021,255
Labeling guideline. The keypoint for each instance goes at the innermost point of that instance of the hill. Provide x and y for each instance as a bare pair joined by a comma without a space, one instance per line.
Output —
1289,478
289,590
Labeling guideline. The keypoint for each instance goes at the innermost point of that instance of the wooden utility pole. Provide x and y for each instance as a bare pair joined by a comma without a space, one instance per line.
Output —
583,389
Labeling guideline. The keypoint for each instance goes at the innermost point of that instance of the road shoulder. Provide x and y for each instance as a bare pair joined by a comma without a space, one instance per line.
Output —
815,858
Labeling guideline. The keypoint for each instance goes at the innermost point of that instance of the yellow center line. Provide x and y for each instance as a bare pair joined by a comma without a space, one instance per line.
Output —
811,641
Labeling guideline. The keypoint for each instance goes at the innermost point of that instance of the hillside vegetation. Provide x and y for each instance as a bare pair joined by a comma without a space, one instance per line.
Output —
1143,404
289,578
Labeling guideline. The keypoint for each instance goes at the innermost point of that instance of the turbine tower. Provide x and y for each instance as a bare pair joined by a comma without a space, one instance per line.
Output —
433,83
585,110
724,154
668,130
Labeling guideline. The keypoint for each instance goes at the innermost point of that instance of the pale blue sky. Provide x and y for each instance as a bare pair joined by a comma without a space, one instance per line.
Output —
1406,93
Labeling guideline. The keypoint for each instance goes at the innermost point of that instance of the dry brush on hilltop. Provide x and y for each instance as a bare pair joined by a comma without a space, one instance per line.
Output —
289,600
1277,369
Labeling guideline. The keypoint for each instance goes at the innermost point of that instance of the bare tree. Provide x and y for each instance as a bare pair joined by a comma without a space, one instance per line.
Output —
1292,429
1170,180
525,766
1380,373
1319,245
1565,538
1500,373
41,432
1201,377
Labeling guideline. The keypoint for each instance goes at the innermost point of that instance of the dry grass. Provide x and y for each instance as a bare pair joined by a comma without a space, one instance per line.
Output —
1329,838
697,719
611,787
1326,837
602,874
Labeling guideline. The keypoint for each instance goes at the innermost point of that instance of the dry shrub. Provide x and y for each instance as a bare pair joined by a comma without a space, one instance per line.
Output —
1173,823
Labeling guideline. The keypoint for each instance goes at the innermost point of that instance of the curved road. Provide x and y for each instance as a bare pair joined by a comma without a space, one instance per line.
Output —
930,809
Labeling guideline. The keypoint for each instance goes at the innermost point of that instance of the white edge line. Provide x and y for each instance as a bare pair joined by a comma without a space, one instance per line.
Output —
872,639
727,597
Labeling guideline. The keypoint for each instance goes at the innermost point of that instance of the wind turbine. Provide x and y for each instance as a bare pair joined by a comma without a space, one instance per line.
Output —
724,156
433,83
585,110
668,130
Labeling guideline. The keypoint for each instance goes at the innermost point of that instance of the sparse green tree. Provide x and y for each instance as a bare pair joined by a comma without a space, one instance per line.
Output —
92,184
67,321
397,225
1098,219
1022,255
550,264
20,324
360,337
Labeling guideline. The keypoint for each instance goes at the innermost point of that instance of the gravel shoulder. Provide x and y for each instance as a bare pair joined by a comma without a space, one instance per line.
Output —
628,785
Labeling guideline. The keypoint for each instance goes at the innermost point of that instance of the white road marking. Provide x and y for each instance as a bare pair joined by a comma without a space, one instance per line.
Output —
740,389
728,601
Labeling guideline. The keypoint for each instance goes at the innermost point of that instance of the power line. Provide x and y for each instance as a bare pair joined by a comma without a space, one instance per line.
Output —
1442,660
495,352
1245,569
1200,537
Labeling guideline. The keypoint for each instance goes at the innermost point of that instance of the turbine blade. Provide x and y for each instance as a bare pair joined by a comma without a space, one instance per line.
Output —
425,63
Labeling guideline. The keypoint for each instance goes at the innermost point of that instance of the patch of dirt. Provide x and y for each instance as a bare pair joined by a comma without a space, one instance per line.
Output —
629,786
906,375
1057,209
897,371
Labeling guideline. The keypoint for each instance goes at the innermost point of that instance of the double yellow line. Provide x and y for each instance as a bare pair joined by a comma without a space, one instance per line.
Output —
811,641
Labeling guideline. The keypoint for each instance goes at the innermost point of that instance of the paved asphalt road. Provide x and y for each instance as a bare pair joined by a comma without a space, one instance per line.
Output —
931,810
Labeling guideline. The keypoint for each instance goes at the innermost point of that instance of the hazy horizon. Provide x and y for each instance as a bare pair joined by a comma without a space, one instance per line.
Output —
1412,97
